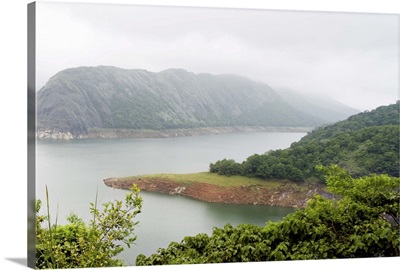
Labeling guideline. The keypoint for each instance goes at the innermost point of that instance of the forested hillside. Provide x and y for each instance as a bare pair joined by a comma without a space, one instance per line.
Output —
363,144
78,100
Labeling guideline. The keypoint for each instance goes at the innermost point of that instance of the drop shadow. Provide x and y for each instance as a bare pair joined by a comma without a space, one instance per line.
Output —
20,261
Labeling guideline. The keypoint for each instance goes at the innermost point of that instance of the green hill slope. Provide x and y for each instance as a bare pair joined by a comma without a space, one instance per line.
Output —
363,144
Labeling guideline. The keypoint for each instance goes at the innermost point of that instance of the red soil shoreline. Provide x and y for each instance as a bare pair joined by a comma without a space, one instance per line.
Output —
284,195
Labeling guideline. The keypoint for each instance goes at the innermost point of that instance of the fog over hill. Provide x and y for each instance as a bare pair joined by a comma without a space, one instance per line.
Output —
78,100
317,105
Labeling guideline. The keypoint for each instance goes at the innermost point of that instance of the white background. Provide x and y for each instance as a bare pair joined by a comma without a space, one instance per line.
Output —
14,121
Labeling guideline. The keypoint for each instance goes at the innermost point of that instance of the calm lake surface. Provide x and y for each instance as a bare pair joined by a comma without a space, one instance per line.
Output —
74,170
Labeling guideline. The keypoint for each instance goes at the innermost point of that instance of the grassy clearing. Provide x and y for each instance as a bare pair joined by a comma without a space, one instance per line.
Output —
216,179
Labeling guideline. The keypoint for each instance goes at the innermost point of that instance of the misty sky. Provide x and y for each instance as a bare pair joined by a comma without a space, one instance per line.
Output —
351,57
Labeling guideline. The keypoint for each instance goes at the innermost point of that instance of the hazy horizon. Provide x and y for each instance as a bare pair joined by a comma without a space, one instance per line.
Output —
350,57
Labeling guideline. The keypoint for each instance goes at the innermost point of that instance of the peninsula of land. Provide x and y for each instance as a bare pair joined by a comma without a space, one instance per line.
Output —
215,188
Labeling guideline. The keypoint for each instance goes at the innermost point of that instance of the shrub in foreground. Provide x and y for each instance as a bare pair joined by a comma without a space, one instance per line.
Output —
80,245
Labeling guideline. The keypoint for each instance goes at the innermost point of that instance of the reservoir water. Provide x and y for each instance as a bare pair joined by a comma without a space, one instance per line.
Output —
73,172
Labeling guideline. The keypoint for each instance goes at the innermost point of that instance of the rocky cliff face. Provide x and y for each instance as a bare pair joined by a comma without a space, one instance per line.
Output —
78,100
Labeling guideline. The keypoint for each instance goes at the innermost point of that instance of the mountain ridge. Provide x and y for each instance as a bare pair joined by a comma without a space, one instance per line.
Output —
77,100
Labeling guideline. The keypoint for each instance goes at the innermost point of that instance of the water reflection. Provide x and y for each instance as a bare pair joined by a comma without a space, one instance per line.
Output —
255,214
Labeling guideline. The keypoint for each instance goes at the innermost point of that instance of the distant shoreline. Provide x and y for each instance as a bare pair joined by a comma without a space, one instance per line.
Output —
165,133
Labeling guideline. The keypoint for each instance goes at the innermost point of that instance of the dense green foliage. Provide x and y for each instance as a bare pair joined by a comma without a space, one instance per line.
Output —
363,144
79,245
77,100
364,222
